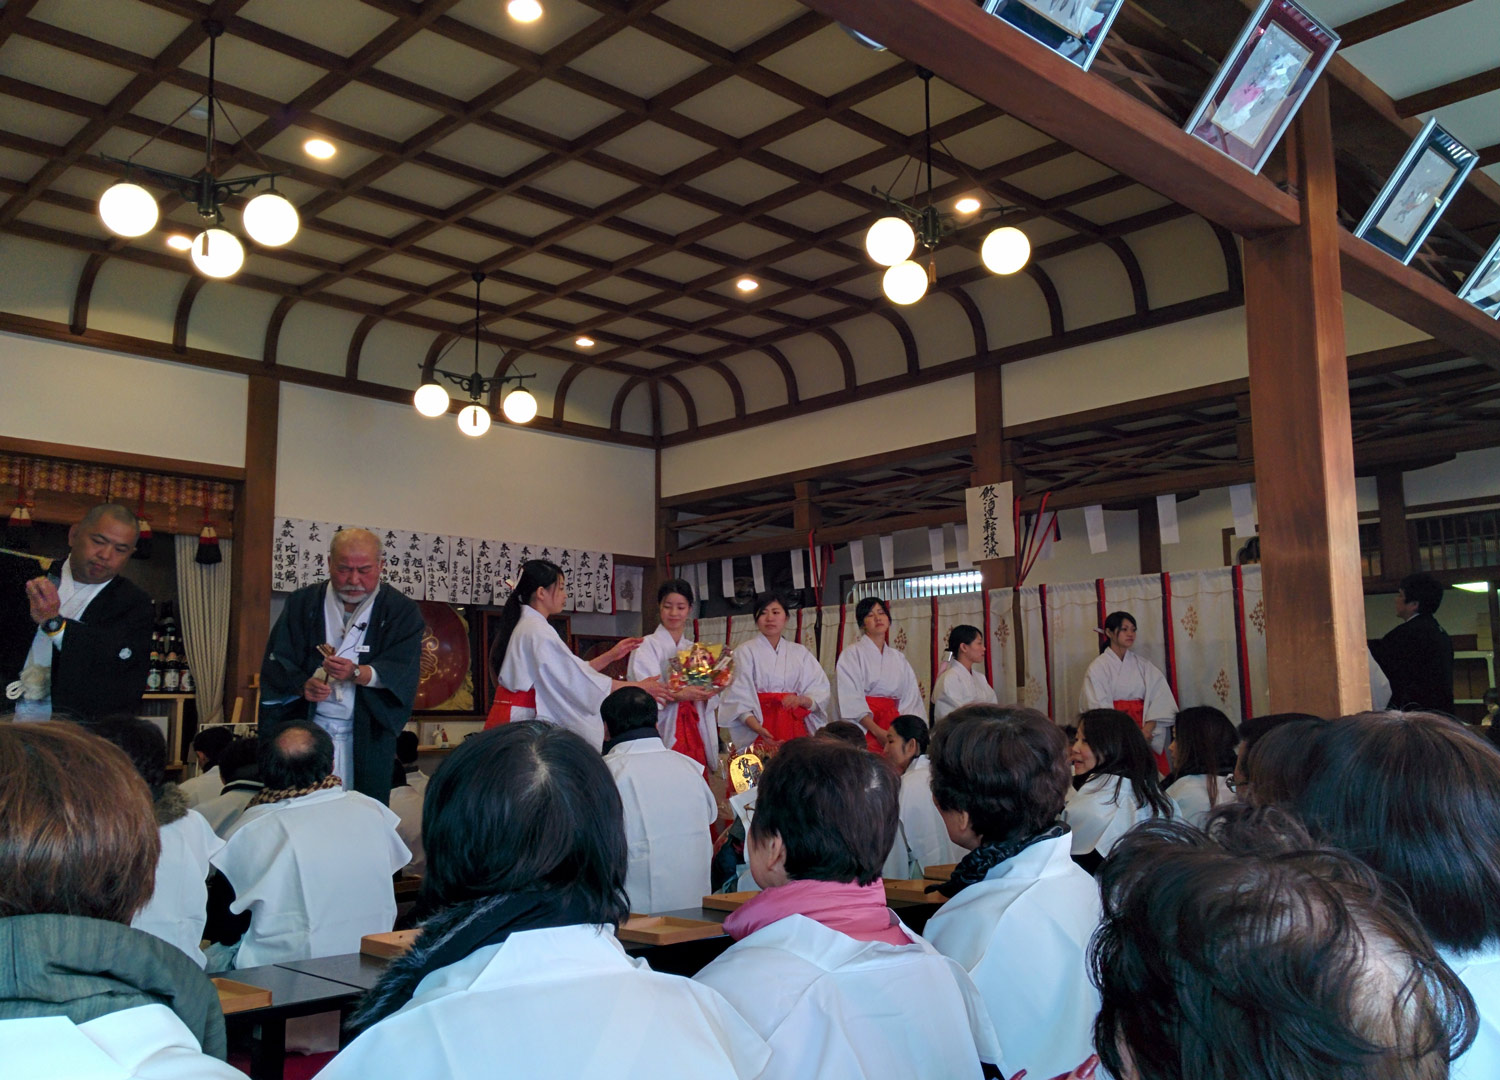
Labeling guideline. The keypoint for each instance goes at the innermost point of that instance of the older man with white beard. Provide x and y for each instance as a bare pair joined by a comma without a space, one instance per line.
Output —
345,656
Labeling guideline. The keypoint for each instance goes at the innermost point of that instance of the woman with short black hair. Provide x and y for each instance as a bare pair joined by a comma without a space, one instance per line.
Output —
921,838
526,860
1115,784
821,967
875,681
1417,797
780,691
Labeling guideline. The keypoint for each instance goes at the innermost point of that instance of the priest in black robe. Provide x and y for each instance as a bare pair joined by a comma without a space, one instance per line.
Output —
362,691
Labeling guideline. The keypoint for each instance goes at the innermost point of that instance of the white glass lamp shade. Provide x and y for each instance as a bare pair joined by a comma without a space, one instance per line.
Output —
218,254
128,210
1005,250
524,11
474,420
890,241
519,406
430,399
905,283
270,220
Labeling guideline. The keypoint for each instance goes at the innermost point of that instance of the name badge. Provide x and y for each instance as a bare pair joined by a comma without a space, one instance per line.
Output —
363,648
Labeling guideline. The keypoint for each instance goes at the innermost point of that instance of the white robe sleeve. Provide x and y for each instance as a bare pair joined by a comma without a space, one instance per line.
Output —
853,680
910,702
1160,706
1098,688
1380,686
812,682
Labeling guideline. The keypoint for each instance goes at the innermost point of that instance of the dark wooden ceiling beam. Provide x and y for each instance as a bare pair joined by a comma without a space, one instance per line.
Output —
1389,19
1449,93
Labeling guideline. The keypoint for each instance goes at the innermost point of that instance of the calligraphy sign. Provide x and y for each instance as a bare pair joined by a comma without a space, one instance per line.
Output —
992,527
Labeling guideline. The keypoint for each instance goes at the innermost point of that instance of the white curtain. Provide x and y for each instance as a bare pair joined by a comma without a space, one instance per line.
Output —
965,608
1000,646
1141,596
911,632
1037,692
1072,619
1255,645
1208,668
712,631
742,628
203,596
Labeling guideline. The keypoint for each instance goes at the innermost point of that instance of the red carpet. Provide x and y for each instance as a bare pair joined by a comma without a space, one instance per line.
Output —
298,1066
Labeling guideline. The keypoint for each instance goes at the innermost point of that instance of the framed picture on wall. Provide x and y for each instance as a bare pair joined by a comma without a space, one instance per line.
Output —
1262,83
1432,169
1074,29
1482,287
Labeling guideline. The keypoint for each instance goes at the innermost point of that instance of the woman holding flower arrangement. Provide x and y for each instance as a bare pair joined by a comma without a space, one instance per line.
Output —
688,720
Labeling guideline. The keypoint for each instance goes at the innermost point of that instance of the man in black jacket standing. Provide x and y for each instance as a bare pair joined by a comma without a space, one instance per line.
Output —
1417,656
83,623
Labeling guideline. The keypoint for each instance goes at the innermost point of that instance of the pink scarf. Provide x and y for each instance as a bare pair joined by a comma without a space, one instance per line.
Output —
856,910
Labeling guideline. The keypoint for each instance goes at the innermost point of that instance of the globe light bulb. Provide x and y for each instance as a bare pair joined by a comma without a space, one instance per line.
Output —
270,219
519,406
890,241
218,254
321,149
474,420
430,399
1005,250
905,283
128,210
524,10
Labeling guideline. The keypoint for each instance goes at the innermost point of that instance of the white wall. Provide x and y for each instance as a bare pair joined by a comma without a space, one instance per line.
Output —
381,463
62,393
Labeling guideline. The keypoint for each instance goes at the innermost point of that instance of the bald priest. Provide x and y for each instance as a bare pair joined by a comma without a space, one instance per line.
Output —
345,655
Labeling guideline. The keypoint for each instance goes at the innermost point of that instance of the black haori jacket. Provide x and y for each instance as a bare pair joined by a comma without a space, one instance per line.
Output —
394,638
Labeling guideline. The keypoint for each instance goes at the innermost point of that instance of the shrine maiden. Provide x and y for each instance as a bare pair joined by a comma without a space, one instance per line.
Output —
688,719
779,691
876,684
1119,679
961,681
538,677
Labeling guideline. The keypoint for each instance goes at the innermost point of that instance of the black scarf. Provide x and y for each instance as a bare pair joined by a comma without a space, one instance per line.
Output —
632,735
457,931
978,863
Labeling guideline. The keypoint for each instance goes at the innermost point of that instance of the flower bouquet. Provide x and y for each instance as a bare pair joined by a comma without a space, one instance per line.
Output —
701,666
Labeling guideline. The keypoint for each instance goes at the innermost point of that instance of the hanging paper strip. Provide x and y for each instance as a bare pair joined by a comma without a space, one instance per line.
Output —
1242,505
961,545
936,550
758,573
1166,518
726,578
799,570
1093,520
888,557
857,559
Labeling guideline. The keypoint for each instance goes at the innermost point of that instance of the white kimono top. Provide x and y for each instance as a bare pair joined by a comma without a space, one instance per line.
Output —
147,1042
1111,678
1023,935
406,804
560,1002
179,906
866,670
201,788
955,687
668,814
1098,818
759,669
1480,972
837,1008
1191,794
568,691
921,837
651,659
315,874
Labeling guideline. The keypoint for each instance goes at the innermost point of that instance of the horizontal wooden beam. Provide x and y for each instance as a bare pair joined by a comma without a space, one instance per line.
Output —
89,455
1391,18
1449,93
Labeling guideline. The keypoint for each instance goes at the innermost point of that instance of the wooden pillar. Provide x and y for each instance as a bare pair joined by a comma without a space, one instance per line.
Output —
254,526
666,547
992,461
1304,450
1395,539
807,516
1150,533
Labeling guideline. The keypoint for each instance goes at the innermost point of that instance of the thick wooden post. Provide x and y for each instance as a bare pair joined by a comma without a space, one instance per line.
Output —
1395,538
254,526
1304,450
1150,535
992,461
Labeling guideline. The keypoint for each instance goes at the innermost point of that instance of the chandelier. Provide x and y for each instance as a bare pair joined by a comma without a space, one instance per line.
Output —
892,239
129,210
431,399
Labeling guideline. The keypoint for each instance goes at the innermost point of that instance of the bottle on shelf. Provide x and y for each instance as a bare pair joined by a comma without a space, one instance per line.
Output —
185,681
171,674
154,672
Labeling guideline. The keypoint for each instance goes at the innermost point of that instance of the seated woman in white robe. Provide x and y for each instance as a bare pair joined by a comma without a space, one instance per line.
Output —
1021,913
688,719
921,837
876,683
537,676
1202,752
780,691
961,681
1119,679
1115,785
519,972
821,967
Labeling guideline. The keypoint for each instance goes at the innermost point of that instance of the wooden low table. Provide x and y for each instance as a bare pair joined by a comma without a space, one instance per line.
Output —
293,993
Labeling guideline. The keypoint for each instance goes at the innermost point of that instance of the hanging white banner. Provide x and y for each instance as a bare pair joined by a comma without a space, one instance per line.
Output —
990,520
961,545
1093,519
726,578
1242,504
936,547
1166,518
758,572
799,570
857,559
888,556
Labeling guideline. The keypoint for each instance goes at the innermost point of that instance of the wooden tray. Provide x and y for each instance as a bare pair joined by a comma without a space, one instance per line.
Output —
940,872
237,996
728,901
913,891
388,946
666,929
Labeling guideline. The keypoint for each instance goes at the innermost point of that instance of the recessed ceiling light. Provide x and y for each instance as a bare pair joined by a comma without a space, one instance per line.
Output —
584,342
524,10
178,242
319,148
967,205
747,284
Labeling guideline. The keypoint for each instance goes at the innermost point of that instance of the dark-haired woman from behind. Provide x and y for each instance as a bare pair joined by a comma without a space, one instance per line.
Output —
1202,754
1115,785
780,691
519,972
537,676
961,681
921,838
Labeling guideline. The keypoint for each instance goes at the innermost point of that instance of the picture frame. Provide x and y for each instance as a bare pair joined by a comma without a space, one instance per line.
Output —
1262,83
1482,287
1074,29
1414,198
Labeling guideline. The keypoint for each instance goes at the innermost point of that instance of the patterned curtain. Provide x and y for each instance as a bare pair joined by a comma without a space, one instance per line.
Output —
203,597
911,632
1072,617
1208,670
1000,646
